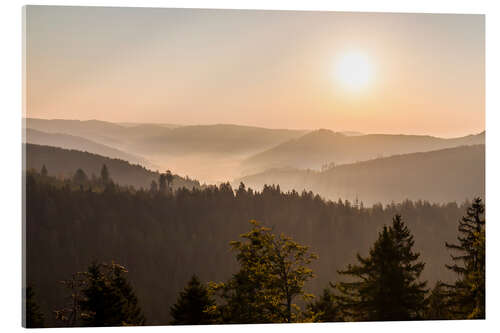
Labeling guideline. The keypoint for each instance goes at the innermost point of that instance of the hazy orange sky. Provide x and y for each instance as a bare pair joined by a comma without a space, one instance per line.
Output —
265,68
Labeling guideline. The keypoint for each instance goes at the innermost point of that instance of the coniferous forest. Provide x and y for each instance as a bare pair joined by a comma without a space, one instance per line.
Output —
188,166
100,254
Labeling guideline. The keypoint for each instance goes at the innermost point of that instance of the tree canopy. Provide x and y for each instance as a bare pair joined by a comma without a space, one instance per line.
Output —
273,272
193,305
467,294
386,284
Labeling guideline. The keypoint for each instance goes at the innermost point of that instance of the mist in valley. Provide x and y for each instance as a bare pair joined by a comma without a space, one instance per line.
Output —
202,166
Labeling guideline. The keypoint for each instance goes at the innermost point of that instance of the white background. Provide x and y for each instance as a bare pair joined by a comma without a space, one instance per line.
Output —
10,132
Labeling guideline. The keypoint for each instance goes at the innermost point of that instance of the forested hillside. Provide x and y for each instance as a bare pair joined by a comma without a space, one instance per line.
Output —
431,176
63,163
163,239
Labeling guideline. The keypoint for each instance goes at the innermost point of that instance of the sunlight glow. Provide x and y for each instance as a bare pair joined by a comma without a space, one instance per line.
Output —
354,70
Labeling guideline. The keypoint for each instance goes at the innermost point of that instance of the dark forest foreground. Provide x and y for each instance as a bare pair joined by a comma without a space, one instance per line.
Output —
162,238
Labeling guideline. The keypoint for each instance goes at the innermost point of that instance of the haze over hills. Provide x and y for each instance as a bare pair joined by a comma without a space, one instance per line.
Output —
131,124
451,174
173,139
324,146
77,143
211,153
64,163
222,152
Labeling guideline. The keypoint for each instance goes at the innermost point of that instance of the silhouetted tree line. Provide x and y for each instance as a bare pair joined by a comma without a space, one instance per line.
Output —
384,286
162,238
63,164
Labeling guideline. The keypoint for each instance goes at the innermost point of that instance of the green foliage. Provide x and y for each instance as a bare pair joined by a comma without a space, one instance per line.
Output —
193,305
386,285
272,274
34,317
63,163
176,235
325,309
467,294
109,299
101,296
70,314
438,307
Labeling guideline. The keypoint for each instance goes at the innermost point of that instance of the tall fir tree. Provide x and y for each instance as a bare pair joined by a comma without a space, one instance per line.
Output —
153,188
105,178
43,171
162,181
108,298
170,179
80,177
386,284
467,294
438,307
193,305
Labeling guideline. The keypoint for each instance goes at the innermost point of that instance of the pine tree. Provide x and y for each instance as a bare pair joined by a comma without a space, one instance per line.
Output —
193,305
163,183
272,274
108,299
170,179
34,316
105,174
467,295
80,177
44,171
153,188
438,307
386,285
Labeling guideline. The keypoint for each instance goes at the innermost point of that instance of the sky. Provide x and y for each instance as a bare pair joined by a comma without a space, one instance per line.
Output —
274,69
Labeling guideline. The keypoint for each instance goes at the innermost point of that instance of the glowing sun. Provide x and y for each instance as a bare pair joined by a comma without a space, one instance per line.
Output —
354,70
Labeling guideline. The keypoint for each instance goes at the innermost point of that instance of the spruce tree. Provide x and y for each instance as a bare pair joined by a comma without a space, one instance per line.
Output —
34,316
385,284
438,307
153,188
162,183
193,304
80,177
170,179
44,171
105,174
108,298
467,294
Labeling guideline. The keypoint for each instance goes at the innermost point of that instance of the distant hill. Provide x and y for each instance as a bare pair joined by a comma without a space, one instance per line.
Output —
98,131
452,174
218,139
74,142
170,140
64,162
324,146
128,124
